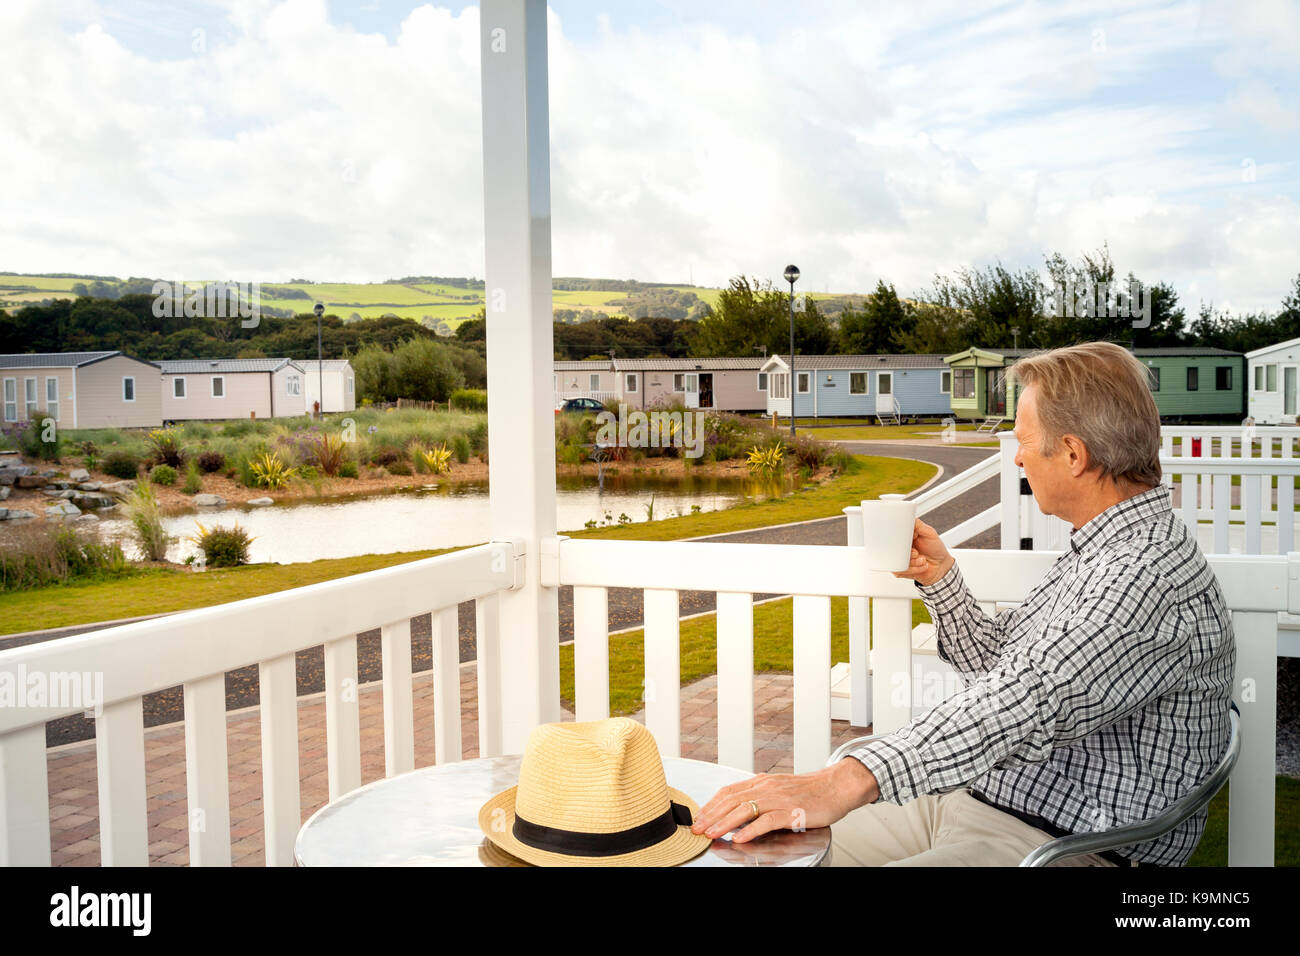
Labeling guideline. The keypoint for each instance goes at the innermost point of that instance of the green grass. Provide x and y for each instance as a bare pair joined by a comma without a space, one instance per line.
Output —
156,590
866,477
1213,848
773,650
877,432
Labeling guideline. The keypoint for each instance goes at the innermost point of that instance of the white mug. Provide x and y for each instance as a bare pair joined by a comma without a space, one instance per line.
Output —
888,523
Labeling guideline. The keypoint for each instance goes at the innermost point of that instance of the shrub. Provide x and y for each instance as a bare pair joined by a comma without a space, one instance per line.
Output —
460,445
327,452
89,455
809,452
385,455
165,447
348,469
436,460
469,400
270,471
31,439
42,554
145,515
122,464
223,547
193,479
211,461
766,461
163,475
399,468
478,435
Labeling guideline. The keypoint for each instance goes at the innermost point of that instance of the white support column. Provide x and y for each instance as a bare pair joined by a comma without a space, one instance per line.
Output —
1011,530
1252,787
859,635
521,439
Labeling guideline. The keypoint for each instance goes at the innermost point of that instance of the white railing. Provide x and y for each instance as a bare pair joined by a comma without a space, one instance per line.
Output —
196,648
1255,588
1199,465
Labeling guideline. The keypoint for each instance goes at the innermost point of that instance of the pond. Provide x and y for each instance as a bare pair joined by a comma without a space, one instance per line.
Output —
445,515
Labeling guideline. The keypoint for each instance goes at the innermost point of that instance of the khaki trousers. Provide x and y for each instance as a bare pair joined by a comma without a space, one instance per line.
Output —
949,829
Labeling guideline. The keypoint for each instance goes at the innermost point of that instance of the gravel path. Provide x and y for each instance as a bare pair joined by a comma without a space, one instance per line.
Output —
625,610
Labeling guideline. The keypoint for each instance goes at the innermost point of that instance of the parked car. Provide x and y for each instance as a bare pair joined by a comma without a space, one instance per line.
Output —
580,405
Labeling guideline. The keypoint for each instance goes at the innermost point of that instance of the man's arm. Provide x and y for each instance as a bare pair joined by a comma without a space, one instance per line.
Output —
1119,649
968,638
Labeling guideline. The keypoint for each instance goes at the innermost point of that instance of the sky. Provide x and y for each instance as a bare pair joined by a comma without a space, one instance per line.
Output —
332,140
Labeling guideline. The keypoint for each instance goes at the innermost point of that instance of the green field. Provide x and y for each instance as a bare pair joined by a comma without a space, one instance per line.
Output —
369,300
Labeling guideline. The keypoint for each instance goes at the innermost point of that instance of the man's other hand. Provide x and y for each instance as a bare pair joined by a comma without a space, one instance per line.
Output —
788,801
931,558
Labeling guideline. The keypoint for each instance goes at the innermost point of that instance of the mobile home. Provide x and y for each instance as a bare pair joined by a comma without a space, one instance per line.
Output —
81,389
214,389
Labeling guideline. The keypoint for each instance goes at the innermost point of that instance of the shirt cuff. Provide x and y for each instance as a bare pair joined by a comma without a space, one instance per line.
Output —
945,594
897,766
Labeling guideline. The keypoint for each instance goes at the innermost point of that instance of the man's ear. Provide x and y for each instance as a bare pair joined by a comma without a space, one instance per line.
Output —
1077,452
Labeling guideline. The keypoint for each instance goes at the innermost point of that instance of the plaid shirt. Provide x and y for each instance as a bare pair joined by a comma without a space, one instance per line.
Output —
1096,702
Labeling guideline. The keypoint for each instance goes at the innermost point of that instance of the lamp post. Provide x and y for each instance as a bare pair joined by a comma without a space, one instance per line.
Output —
320,365
791,275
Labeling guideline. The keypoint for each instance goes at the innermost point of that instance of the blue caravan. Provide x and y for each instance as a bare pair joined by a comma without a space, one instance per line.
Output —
888,387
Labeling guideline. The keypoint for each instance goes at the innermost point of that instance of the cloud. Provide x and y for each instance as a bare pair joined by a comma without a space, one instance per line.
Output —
261,139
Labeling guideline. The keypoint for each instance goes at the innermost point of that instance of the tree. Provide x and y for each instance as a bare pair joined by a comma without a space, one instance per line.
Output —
750,317
875,328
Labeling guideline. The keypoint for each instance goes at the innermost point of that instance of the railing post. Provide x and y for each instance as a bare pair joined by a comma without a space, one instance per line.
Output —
1252,790
859,635
1009,447
517,219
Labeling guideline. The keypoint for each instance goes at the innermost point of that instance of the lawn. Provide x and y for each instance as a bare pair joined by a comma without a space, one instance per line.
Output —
871,432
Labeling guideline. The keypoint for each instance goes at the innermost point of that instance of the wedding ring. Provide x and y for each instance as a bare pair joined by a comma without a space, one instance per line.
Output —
754,806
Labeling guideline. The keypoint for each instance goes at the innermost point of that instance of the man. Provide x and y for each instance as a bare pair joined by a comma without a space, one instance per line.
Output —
1095,703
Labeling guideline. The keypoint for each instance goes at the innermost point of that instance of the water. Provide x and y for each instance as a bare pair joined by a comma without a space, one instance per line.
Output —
449,514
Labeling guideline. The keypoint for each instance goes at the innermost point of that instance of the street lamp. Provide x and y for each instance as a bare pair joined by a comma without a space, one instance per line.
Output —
320,365
791,275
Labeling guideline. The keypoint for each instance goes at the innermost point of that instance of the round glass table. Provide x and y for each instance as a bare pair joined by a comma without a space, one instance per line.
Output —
429,817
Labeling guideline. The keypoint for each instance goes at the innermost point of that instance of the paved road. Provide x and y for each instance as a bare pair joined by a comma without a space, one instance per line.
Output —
625,604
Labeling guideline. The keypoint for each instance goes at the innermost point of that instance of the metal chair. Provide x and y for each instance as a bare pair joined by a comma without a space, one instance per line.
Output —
1080,844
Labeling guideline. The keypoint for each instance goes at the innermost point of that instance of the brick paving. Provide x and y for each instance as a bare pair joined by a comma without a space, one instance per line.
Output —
74,805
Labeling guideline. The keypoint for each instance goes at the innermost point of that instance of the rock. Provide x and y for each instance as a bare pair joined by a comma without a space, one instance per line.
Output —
94,501
30,481
59,483
49,473
209,501
119,487
262,502
3,513
57,493
64,509
4,492
18,515
79,474
85,519
7,477
17,469
90,486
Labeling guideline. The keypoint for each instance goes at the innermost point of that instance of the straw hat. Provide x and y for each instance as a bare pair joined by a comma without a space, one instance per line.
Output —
593,794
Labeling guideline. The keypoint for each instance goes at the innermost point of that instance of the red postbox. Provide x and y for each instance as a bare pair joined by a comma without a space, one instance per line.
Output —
1196,448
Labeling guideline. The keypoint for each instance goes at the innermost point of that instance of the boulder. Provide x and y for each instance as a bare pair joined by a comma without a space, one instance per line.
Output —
58,493
18,515
3,513
30,481
209,501
79,474
85,519
7,477
4,492
124,487
90,486
60,483
262,502
94,501
49,472
64,509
